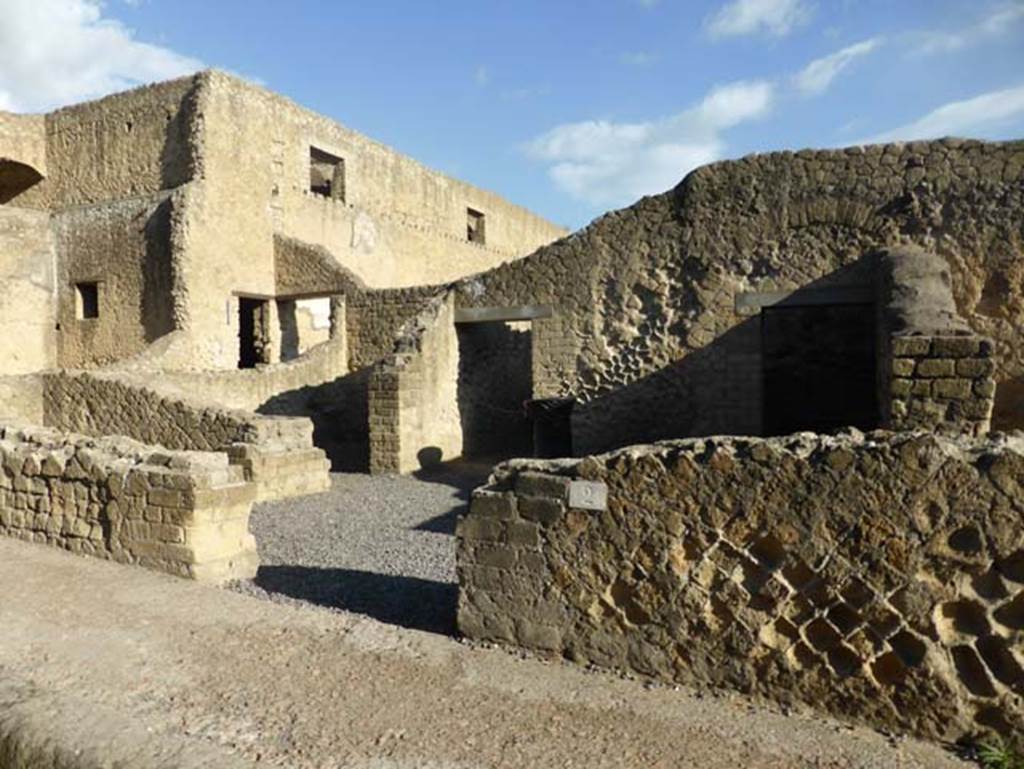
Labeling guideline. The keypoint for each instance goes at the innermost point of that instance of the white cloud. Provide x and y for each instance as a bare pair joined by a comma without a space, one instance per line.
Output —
608,163
998,22
817,76
56,52
749,17
481,76
979,115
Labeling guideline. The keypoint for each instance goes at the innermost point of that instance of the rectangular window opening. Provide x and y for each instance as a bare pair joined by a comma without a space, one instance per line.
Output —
475,227
326,174
87,300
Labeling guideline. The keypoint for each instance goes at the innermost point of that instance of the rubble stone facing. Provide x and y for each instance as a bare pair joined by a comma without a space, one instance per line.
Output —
878,577
185,513
277,453
645,331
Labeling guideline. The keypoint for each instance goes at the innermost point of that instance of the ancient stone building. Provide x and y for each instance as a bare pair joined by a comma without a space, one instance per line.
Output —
155,212
846,322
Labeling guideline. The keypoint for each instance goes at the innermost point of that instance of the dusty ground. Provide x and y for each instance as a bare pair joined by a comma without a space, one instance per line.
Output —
107,662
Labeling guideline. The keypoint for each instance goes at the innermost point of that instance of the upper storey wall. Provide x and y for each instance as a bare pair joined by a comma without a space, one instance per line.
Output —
126,145
397,223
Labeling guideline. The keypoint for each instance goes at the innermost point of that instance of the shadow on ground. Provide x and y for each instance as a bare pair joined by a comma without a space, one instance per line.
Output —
410,602
463,476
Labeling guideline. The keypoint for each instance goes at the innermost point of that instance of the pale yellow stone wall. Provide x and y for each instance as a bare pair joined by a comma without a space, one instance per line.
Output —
233,162
185,513
27,291
124,145
400,223
23,140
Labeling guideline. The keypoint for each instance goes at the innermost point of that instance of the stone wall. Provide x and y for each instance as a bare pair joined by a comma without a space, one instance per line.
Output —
934,371
878,577
375,319
129,144
123,247
21,399
941,383
183,513
648,301
398,223
28,313
276,452
413,406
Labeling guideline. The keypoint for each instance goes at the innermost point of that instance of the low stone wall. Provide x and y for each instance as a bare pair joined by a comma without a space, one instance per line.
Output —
935,373
185,513
878,577
276,452
941,382
413,395
247,389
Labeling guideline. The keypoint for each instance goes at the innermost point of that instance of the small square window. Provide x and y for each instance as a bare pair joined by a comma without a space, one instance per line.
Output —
326,174
87,300
475,231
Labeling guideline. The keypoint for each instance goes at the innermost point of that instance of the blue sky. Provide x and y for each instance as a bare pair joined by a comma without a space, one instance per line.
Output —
568,108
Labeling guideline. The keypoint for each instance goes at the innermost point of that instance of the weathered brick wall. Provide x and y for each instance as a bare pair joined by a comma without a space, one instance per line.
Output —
877,577
934,371
375,318
182,513
941,382
413,395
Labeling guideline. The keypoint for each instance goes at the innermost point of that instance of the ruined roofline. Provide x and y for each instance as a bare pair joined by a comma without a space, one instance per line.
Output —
113,98
207,76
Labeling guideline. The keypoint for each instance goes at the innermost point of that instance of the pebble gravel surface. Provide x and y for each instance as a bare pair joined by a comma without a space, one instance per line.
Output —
383,546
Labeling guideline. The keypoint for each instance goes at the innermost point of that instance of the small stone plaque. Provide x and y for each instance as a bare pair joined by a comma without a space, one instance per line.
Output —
588,495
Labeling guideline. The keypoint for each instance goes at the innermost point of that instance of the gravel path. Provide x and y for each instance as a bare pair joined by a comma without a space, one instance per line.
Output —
376,545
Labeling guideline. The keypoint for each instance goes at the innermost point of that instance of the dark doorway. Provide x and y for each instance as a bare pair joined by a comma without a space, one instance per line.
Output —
495,380
819,368
253,337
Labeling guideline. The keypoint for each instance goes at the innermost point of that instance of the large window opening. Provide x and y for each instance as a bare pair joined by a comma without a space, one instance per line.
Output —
326,174
819,368
253,332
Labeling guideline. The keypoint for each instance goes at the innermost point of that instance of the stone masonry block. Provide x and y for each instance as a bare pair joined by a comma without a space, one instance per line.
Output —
955,346
910,346
493,503
542,485
975,367
957,389
541,509
985,388
936,367
478,527
903,366
523,534
901,388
